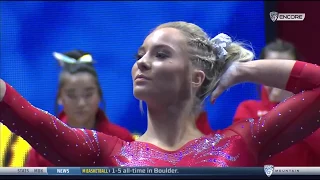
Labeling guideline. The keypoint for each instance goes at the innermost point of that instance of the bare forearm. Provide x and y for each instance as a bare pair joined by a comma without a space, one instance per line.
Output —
274,73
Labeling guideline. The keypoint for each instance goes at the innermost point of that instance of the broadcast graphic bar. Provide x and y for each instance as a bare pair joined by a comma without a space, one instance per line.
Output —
268,170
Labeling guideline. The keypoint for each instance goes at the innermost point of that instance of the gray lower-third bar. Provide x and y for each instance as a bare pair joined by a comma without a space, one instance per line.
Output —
296,171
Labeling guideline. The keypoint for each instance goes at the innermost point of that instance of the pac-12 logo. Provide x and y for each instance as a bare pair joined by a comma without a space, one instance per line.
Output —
268,169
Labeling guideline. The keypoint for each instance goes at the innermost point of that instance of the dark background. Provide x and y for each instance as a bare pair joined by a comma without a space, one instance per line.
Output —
305,35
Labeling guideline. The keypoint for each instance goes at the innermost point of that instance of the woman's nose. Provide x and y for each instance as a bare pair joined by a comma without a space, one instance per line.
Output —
143,64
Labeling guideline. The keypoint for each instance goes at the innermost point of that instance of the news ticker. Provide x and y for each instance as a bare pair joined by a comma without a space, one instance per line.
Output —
203,171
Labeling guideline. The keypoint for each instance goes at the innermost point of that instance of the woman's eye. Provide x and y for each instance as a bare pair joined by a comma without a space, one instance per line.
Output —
161,55
138,56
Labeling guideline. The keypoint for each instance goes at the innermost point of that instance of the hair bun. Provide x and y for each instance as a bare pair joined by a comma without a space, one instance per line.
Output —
221,42
73,57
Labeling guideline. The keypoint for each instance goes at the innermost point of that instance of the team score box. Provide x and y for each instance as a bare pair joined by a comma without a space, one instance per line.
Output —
165,171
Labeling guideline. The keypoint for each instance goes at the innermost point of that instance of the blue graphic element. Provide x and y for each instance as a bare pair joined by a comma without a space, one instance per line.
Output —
112,32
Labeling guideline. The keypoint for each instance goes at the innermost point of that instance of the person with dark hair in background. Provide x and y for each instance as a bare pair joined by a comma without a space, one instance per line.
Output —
80,94
176,68
303,153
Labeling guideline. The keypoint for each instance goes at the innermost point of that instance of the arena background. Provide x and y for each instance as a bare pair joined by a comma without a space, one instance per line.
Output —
112,32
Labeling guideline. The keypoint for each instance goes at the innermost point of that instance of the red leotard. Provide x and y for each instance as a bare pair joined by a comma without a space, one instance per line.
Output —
305,152
242,144
102,125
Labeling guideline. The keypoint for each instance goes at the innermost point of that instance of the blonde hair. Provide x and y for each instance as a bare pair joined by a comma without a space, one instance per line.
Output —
203,55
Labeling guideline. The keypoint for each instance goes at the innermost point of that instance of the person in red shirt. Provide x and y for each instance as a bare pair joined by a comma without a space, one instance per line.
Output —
203,124
177,67
80,94
307,151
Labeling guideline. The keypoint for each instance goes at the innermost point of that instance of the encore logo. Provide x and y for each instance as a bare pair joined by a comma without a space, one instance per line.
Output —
275,16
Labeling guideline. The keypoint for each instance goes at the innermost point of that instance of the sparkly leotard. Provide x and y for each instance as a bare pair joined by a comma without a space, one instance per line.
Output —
242,144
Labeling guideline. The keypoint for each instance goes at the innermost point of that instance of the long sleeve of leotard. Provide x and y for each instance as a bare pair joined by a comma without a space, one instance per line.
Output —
54,140
36,160
289,122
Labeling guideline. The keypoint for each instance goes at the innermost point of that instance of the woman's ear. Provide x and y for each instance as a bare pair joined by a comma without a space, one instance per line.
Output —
60,101
198,77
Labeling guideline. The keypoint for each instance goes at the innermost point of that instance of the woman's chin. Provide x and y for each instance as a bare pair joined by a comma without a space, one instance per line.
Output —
141,93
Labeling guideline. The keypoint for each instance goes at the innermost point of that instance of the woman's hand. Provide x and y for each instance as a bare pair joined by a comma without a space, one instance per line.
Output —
230,78
2,89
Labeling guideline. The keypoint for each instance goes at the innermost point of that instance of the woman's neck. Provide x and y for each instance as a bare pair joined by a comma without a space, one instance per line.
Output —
90,124
170,127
